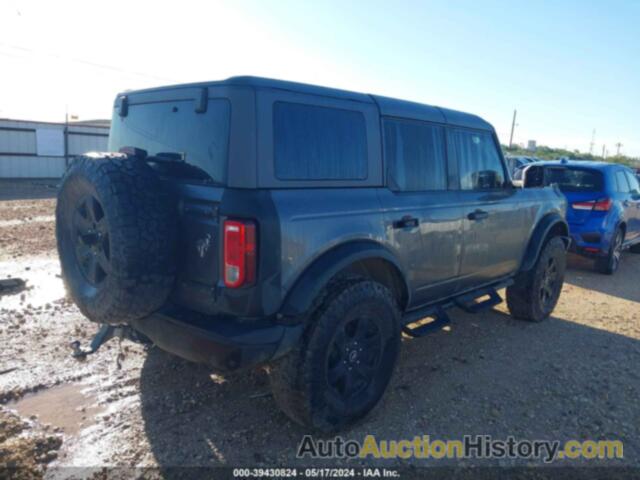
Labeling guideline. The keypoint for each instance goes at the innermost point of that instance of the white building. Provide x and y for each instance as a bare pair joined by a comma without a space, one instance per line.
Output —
42,150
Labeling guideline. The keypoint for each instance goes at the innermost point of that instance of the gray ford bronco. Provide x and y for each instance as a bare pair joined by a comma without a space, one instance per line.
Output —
256,222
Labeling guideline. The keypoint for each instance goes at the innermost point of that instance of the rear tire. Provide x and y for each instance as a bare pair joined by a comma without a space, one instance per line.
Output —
609,265
535,293
635,248
116,237
345,359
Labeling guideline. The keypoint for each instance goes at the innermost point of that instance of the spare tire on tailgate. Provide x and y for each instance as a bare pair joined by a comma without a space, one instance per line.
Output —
116,234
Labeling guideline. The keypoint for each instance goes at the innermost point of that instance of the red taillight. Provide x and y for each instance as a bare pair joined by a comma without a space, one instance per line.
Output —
602,205
239,253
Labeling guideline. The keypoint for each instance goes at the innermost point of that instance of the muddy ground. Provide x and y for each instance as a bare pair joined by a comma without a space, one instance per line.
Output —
575,376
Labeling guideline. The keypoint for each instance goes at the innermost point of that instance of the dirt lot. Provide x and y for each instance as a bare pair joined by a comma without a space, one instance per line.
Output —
575,376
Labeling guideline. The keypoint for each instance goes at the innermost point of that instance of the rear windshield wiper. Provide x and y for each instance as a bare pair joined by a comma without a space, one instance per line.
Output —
173,164
142,154
168,157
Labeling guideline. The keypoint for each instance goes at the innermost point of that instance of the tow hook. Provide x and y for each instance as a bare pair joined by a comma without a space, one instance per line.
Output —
105,333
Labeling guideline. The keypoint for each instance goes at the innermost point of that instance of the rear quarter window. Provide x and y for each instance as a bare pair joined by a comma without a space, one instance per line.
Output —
318,143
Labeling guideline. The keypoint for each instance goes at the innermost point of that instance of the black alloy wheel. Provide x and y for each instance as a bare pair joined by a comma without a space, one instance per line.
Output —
354,357
549,283
91,237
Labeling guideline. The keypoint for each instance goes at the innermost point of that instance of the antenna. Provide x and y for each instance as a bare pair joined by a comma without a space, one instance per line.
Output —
513,126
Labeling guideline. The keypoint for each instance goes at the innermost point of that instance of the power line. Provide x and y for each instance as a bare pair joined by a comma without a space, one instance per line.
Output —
87,62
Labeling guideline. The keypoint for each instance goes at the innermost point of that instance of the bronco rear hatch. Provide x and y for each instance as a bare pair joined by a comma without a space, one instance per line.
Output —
185,138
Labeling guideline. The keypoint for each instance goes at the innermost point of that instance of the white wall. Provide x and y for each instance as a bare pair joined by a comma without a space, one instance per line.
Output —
31,167
18,148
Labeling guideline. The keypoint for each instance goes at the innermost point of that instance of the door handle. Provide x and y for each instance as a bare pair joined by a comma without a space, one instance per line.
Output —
478,215
406,222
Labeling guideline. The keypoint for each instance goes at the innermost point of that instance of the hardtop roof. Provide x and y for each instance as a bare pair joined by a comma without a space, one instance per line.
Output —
387,106
594,164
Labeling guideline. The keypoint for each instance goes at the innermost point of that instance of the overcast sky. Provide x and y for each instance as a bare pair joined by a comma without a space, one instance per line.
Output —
567,66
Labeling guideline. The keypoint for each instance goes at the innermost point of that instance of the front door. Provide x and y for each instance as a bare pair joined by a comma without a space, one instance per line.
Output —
494,218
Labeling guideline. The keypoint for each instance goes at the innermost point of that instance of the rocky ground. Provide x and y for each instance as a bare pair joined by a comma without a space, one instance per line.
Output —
574,376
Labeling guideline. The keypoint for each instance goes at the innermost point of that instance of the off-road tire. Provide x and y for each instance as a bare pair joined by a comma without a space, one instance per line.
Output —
301,382
525,298
609,264
134,218
635,248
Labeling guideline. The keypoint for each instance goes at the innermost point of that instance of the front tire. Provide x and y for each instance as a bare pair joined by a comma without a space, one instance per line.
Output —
345,359
535,293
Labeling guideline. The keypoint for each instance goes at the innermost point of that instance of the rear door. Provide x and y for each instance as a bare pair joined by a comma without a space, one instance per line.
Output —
494,230
422,220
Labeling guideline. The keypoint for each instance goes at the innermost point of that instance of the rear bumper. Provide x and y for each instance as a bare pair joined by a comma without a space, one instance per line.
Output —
223,343
590,243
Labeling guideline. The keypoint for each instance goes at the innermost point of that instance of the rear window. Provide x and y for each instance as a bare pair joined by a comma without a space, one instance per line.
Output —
574,179
200,139
319,143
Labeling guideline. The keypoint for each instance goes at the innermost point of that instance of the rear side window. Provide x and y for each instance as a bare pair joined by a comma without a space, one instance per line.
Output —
571,179
633,182
319,143
478,160
621,181
200,139
415,155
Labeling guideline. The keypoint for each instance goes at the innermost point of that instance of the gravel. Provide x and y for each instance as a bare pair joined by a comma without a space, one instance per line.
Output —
574,376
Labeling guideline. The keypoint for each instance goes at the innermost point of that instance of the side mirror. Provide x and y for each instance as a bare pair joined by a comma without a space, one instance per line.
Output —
533,177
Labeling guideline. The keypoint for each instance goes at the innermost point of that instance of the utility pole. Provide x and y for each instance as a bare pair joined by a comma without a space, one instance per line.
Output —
593,142
618,147
66,137
513,126
604,147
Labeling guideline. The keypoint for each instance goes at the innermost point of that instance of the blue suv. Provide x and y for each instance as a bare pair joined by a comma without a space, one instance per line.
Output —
603,208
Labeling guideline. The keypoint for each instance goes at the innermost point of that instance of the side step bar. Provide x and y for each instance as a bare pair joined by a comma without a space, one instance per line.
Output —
469,304
440,320
438,312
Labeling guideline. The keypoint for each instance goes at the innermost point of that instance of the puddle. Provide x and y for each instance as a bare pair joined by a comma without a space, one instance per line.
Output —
36,219
63,406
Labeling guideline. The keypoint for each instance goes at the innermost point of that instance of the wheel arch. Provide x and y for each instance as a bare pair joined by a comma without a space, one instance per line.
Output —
362,257
549,226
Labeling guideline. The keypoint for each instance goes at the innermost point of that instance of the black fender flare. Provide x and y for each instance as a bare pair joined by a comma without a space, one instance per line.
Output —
549,222
317,275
